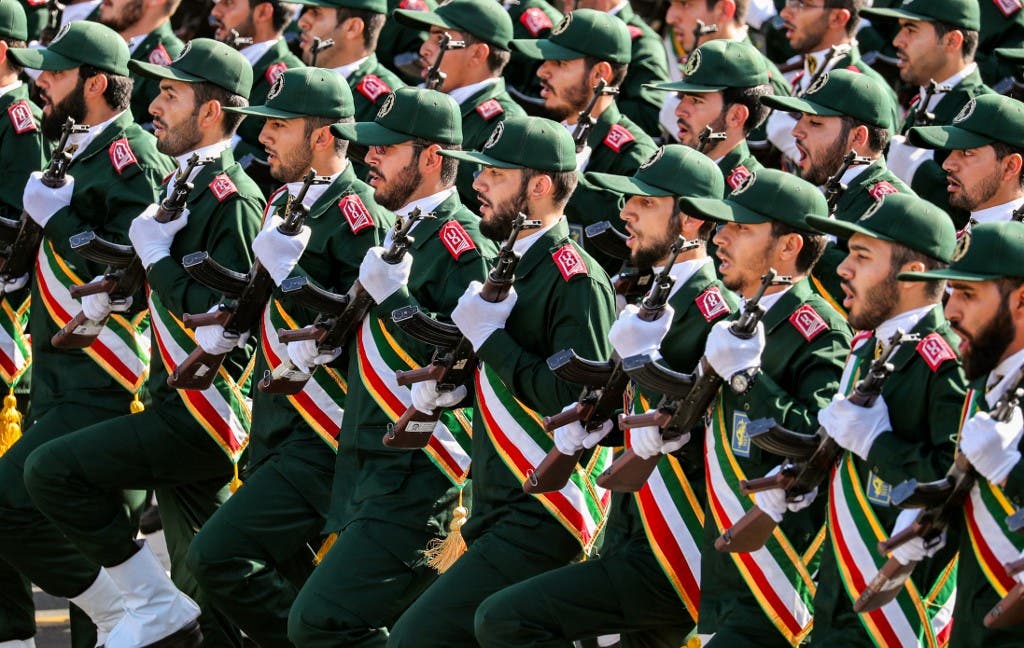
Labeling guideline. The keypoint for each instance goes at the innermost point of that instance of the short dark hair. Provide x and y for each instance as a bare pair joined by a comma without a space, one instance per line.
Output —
970,44
814,245
449,165
1007,285
205,91
740,17
11,63
497,59
878,137
118,94
618,69
902,255
564,183
751,98
854,7
284,13
314,123
1002,149
373,22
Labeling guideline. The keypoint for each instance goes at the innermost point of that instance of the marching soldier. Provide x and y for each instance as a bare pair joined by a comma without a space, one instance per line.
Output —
185,443
984,310
251,557
398,46
786,372
529,168
530,19
388,504
645,583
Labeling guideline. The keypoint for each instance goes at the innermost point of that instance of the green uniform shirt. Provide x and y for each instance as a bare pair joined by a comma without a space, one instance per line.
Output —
160,47
21,148
998,30
270,66
736,165
648,63
398,45
530,19
36,16
370,84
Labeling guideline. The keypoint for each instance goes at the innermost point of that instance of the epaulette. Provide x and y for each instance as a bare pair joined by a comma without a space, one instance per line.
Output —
711,304
737,176
456,239
808,322
355,212
159,55
274,71
569,262
21,117
222,187
634,32
617,138
935,350
1008,7
371,86
882,189
535,21
121,155
489,109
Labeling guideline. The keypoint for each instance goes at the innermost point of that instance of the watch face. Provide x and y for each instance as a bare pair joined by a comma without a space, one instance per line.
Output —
739,382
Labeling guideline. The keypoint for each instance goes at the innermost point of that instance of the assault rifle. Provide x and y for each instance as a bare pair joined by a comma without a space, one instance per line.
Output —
810,457
686,396
923,116
941,502
236,40
834,186
1009,610
435,77
124,275
319,45
630,282
604,384
454,360
339,315
246,296
585,120
835,53
54,16
701,29
707,136
17,258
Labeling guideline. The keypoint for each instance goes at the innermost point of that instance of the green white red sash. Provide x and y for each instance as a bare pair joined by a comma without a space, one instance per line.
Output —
518,435
321,403
122,347
15,347
221,409
777,575
380,357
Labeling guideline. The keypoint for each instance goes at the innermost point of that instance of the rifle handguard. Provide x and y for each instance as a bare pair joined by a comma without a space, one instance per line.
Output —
297,335
915,530
647,419
555,421
761,484
220,317
423,374
104,285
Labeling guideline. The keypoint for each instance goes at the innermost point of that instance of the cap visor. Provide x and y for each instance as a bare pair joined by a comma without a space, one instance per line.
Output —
480,158
369,134
946,273
1014,54
842,229
800,105
625,185
162,72
951,138
683,86
421,19
41,59
895,14
264,112
544,50
722,211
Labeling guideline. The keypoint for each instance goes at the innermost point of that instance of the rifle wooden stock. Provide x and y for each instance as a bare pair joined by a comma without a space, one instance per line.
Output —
1009,611
778,480
412,430
555,421
885,586
748,534
297,335
197,371
205,319
286,379
429,372
628,473
79,333
646,419
1014,567
102,285
552,472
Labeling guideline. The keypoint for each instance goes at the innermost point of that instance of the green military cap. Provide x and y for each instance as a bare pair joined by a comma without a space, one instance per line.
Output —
964,14
985,252
764,196
983,120
377,6
76,44
13,23
899,218
673,170
717,65
841,93
584,32
525,143
203,60
1011,54
484,19
408,113
305,92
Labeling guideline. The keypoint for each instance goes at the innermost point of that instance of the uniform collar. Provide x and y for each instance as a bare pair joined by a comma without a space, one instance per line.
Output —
952,82
522,245
78,11
8,88
427,205
349,69
213,150
253,53
998,380
989,215
614,11
136,42
853,172
83,140
906,321
463,94
683,271
315,191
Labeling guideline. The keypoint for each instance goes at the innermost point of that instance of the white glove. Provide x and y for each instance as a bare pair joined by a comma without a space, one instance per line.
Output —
1019,576
854,427
41,202
151,239
779,128
278,252
305,355
991,446
98,307
14,285
728,354
773,501
632,336
478,319
647,442
382,279
913,550
904,159
211,338
426,398
571,438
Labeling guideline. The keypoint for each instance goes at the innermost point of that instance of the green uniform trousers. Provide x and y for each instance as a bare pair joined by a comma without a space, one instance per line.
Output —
77,479
253,556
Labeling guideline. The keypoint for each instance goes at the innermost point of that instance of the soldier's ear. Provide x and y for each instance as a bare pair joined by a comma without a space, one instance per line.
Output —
726,9
601,70
95,86
3,51
210,113
736,115
1011,167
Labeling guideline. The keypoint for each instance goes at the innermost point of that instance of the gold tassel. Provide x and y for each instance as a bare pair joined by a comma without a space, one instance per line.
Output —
136,406
324,548
693,642
236,481
442,554
10,419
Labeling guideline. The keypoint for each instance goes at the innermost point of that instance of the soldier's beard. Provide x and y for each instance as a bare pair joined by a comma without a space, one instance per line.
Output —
498,226
395,193
130,15
653,253
575,98
980,192
989,344
72,106
180,139
831,161
293,167
879,301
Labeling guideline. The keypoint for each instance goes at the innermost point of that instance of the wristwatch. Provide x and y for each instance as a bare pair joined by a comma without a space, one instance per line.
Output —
742,381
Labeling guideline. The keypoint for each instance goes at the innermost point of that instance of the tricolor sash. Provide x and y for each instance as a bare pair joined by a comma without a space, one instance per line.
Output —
122,347
321,403
221,409
380,356
15,347
518,435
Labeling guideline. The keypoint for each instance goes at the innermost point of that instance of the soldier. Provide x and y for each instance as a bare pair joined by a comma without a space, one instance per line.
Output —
264,23
843,111
645,582
388,504
586,47
147,28
786,372
398,46
84,76
185,442
905,433
251,557
985,145
530,19
472,74
529,168
984,310
722,88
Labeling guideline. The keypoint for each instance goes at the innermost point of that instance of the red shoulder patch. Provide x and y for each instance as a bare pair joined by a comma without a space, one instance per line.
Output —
489,109
634,32
935,350
167,178
274,71
795,83
1008,7
121,155
456,239
355,212
569,262
371,87
413,5
222,187
882,189
737,176
860,339
806,320
854,69
159,55
36,3
535,21
21,117
617,138
711,304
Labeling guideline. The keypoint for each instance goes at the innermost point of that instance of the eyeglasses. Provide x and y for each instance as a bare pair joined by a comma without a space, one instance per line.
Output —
800,5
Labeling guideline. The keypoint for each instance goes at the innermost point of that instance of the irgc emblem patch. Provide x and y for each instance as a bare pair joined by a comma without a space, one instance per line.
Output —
962,243
870,211
276,89
61,34
740,439
878,490
496,134
818,84
649,162
385,108
965,112
184,52
745,183
692,63
562,26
